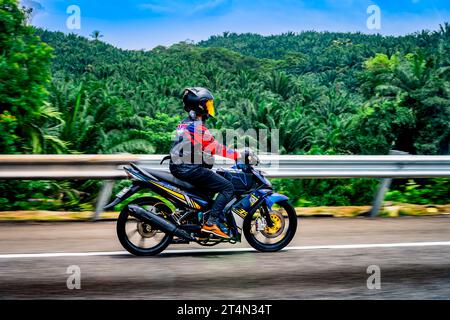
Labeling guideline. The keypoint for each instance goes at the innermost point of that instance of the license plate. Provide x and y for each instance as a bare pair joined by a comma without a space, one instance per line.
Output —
122,193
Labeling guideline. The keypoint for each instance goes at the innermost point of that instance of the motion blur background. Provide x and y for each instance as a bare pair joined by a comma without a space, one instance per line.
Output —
337,77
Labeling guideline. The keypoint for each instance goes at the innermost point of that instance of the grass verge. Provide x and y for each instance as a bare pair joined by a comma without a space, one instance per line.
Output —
390,210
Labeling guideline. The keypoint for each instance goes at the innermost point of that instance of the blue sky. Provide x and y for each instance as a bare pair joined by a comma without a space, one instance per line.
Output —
144,24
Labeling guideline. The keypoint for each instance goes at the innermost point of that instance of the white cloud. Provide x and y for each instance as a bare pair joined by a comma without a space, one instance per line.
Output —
181,7
157,8
208,5
36,6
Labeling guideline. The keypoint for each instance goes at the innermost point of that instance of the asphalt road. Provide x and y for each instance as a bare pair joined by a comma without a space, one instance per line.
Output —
328,259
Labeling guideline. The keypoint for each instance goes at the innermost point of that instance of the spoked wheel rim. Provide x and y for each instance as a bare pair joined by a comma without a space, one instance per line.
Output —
265,235
142,235
139,237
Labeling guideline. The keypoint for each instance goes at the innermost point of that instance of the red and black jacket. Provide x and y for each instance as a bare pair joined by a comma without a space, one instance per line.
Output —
195,145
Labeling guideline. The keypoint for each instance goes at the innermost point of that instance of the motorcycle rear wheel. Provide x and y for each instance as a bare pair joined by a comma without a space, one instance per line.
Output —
129,227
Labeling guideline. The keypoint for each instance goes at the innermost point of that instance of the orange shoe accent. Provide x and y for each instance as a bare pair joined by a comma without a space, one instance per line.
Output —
215,230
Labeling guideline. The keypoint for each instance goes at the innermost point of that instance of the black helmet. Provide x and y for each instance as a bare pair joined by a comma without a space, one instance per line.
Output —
199,100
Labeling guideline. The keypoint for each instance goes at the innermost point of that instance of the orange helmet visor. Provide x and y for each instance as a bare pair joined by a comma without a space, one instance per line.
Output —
210,108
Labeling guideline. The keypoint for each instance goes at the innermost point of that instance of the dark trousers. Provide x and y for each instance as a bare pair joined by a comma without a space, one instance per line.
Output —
206,179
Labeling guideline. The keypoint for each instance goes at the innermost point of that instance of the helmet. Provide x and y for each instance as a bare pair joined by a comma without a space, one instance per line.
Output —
199,100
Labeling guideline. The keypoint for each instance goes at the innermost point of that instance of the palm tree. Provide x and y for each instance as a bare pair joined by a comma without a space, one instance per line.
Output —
96,35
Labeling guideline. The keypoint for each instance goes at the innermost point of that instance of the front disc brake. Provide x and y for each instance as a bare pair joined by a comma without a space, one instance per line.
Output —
278,225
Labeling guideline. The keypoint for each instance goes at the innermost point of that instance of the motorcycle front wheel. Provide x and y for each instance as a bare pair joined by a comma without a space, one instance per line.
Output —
138,237
269,239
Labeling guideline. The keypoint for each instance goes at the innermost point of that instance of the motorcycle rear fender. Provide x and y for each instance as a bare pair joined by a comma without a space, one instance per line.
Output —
134,188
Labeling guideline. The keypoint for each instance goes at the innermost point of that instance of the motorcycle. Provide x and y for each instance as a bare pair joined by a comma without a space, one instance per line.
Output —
148,225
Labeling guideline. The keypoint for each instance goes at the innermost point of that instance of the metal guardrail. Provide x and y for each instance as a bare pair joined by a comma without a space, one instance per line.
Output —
109,168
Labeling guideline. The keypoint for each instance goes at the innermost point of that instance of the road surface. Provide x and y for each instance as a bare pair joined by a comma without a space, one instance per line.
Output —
328,259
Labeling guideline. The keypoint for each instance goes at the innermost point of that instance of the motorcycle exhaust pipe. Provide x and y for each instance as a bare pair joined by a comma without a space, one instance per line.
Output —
158,222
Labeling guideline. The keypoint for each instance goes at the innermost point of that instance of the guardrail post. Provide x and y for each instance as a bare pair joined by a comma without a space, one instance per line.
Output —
103,198
383,188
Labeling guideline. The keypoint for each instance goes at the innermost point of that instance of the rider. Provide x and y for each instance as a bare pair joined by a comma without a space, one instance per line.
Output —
192,156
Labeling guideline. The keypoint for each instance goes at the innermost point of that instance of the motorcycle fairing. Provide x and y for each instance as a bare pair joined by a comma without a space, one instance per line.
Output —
168,190
250,203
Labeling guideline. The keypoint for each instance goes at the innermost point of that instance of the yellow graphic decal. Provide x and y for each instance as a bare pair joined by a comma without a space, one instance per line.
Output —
180,196
240,212
176,194
189,201
192,203
253,199
197,206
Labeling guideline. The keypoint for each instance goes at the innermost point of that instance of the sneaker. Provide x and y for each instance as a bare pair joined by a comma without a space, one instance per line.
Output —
223,227
215,230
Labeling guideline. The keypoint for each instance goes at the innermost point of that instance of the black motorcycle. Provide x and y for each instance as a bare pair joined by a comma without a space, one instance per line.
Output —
147,225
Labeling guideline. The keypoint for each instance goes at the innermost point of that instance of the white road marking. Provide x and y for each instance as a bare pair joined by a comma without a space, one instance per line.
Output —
225,250
61,254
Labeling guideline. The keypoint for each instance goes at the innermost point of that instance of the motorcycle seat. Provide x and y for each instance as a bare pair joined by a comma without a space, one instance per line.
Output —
168,177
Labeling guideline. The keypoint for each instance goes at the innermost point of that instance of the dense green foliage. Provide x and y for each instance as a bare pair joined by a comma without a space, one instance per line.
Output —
24,74
328,93
434,191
